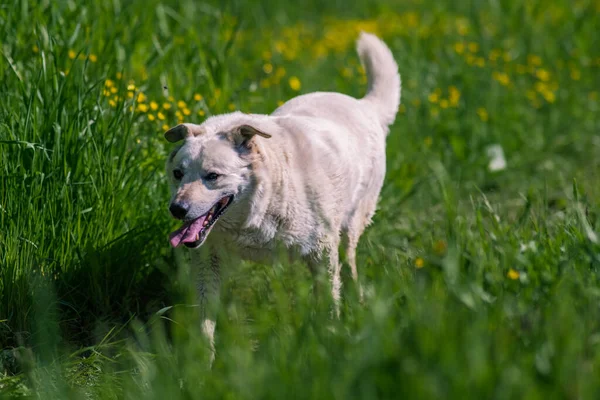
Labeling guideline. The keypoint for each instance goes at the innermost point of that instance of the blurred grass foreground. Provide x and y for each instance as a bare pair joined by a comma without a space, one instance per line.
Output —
481,269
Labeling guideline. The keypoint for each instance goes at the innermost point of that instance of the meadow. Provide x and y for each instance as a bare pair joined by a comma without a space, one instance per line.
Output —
482,266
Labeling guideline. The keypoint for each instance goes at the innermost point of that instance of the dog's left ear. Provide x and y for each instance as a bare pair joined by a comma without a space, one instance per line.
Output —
181,132
242,136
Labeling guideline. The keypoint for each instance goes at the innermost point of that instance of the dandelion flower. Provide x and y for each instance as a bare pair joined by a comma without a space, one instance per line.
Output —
166,106
141,97
419,262
112,103
444,103
454,95
433,98
72,54
501,77
151,117
473,47
483,114
512,274
186,111
93,58
165,127
201,113
198,97
108,83
160,116
153,105
268,68
542,75
142,107
181,104
113,90
295,83
459,47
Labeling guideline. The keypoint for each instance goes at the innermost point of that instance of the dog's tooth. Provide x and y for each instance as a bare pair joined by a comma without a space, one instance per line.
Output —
198,236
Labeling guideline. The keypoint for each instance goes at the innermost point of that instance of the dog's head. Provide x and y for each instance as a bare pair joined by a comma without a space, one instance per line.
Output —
208,173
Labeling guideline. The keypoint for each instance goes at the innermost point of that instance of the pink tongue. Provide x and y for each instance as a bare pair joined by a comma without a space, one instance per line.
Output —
188,232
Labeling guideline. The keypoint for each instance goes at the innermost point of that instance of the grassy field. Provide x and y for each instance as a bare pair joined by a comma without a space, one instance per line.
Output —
481,269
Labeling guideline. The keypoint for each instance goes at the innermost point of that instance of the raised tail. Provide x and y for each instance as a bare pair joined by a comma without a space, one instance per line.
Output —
382,72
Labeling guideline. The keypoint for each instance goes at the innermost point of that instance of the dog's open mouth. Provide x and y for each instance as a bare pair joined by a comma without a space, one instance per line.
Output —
193,233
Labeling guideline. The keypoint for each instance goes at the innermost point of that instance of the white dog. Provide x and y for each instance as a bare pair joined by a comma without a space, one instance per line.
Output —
301,177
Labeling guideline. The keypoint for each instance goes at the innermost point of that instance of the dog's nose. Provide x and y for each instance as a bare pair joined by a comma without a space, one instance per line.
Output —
179,210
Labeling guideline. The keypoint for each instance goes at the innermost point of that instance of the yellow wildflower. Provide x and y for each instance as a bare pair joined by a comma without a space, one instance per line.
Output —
440,247
181,104
279,103
266,55
113,90
171,98
473,47
112,103
72,54
512,274
534,60
130,95
93,58
142,107
198,97
178,114
480,62
151,117
268,68
483,114
160,116
166,106
434,97
280,72
542,75
131,87
186,111
419,263
501,77
201,113
106,92
459,47
454,95
119,75
35,49
444,103
295,83
549,96
165,127
153,105
141,97
108,83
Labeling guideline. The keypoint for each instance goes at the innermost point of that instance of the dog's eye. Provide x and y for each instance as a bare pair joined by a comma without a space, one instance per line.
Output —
211,176
177,174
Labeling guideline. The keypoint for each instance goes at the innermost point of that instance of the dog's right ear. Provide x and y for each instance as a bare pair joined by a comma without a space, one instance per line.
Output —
181,132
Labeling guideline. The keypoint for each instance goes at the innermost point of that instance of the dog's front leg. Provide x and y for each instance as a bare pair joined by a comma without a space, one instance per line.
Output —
208,283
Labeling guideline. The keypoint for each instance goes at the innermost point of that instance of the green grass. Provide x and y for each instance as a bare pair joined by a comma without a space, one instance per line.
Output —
479,284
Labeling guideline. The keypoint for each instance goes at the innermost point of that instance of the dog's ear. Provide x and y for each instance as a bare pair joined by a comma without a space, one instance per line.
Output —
242,136
181,132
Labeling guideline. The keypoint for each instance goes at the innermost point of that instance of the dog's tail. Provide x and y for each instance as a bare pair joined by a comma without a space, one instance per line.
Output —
382,72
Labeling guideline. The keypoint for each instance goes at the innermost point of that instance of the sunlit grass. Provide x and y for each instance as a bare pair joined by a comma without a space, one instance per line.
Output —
480,269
